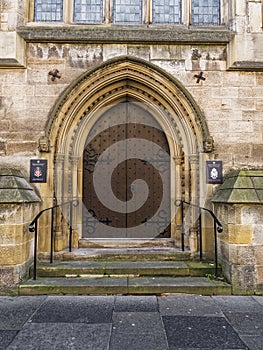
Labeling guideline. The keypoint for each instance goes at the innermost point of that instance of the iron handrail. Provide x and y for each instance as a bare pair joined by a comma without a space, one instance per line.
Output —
218,227
33,227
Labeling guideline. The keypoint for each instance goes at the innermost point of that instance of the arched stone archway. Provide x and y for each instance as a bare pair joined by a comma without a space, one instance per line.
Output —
81,105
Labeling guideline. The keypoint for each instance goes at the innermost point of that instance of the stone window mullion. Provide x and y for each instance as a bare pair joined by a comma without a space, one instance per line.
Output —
68,11
146,11
185,7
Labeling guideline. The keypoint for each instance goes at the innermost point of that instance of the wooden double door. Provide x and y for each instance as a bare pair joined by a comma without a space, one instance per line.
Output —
126,176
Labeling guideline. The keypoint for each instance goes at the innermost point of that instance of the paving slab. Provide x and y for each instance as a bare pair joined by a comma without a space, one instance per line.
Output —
136,304
249,323
15,311
254,342
237,304
137,323
61,336
170,322
69,309
120,341
258,299
185,305
185,332
6,337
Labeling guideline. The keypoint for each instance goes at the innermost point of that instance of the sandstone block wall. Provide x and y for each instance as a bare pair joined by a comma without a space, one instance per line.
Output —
240,247
231,101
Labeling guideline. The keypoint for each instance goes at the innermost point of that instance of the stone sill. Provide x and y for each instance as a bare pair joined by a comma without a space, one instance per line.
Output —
249,66
10,63
125,34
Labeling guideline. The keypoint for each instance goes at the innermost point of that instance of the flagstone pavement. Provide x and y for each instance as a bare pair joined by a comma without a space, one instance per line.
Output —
165,322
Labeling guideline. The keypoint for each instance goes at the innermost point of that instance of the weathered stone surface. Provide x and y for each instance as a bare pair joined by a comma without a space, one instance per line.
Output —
243,279
259,276
14,188
122,34
13,274
258,234
11,234
240,234
14,254
241,187
240,244
13,54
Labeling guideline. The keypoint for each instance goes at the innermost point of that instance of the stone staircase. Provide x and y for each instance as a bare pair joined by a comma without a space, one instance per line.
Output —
155,270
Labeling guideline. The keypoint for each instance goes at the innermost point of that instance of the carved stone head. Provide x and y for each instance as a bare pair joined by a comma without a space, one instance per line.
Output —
208,144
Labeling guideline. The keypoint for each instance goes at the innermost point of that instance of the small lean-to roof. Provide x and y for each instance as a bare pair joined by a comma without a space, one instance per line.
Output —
15,189
241,186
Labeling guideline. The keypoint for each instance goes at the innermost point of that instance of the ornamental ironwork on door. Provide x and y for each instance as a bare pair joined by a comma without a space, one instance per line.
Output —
126,176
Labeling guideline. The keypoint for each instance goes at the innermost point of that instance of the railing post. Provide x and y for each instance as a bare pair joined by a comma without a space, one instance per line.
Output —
182,230
52,236
70,226
35,252
200,235
215,242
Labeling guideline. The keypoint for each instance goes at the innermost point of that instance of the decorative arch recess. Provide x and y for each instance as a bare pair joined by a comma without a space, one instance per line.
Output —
117,80
110,82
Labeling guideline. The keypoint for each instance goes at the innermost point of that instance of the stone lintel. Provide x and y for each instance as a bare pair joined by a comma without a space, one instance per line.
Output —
125,34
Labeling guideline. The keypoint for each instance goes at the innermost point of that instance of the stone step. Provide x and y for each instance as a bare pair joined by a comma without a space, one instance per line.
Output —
132,254
121,268
123,285
126,242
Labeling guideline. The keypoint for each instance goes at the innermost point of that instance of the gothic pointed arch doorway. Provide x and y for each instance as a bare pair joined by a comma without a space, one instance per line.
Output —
127,96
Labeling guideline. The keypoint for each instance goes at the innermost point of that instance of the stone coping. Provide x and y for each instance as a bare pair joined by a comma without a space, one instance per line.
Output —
15,189
241,186
139,34
250,66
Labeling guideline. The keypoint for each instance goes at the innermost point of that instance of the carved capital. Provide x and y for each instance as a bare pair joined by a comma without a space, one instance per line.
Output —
74,160
194,158
178,160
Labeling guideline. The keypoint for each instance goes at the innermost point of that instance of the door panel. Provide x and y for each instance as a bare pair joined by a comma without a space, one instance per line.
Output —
126,176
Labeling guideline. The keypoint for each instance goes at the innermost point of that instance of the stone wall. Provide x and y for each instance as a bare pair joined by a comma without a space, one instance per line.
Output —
231,101
18,204
238,204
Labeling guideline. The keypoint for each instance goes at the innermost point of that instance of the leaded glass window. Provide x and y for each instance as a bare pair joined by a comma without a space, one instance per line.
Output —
127,11
167,11
88,11
48,10
205,12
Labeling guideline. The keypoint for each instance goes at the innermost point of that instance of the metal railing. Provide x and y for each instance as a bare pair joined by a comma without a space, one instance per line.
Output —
217,227
33,227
